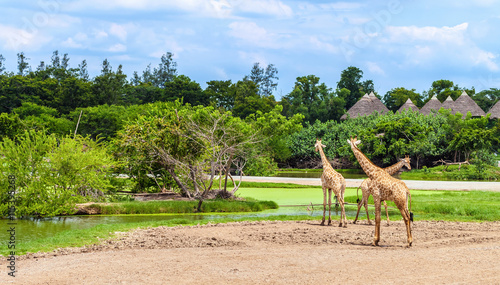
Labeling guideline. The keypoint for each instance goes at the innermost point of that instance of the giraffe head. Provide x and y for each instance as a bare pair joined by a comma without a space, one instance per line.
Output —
318,145
406,162
353,142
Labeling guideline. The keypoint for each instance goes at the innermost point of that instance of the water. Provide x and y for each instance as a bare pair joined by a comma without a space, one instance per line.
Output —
29,229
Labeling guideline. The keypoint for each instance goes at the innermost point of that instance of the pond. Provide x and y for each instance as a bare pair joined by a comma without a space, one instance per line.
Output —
29,229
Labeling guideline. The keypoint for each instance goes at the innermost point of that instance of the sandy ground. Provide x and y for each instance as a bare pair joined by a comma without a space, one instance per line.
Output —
276,253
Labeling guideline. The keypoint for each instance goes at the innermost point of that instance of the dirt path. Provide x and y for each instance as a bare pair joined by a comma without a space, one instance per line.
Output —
277,253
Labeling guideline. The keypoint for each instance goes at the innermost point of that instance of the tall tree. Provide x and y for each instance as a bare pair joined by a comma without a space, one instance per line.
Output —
487,98
264,78
2,60
22,64
82,70
314,100
166,71
350,79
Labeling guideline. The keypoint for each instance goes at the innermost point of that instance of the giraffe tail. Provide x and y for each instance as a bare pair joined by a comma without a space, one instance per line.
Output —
357,194
411,213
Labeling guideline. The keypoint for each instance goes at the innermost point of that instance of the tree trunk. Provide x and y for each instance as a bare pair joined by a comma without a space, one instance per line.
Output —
184,190
228,166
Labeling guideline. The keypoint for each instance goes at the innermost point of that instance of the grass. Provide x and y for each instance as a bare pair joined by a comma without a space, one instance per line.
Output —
158,207
466,172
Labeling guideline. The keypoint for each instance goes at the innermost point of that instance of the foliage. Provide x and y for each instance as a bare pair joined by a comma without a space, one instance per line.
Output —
51,174
350,79
396,97
313,100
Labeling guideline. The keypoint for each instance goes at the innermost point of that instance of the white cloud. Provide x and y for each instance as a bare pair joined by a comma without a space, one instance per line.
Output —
16,39
441,35
373,67
117,48
445,46
265,7
322,45
118,31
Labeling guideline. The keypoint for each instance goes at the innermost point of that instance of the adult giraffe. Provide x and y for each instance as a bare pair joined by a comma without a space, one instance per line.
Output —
366,191
384,187
333,181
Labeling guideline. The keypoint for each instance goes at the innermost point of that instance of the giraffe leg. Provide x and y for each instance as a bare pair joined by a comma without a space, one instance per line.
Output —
342,192
329,206
324,206
343,219
366,207
376,239
406,217
386,212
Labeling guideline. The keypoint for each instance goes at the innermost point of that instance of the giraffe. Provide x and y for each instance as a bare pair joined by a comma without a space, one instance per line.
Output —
384,187
333,181
365,188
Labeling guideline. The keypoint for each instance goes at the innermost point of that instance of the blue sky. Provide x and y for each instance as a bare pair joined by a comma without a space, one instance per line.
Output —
396,43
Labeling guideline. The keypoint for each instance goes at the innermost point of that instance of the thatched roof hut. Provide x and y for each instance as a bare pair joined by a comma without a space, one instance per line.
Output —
408,105
363,107
432,104
377,104
448,104
495,111
464,104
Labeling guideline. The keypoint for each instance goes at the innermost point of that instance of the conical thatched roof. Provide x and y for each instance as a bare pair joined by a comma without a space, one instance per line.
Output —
448,104
363,107
464,103
432,104
408,105
495,111
377,104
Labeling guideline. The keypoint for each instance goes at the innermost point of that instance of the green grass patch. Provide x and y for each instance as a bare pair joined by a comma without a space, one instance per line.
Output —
182,207
466,172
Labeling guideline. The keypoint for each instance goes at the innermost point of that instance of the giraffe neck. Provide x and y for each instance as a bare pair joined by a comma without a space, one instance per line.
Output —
368,167
324,160
394,168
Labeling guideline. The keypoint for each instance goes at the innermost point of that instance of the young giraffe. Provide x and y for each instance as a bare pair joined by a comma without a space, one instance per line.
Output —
384,187
333,181
365,188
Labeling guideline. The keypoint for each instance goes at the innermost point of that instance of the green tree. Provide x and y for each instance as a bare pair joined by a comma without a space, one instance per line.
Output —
221,93
487,98
22,64
182,87
247,100
264,78
350,79
396,97
51,174
314,100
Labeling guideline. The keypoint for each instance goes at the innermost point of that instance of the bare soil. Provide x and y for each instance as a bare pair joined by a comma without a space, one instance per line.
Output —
276,253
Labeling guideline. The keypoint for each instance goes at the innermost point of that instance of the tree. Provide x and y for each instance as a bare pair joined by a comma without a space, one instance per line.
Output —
314,100
52,174
2,67
108,88
182,87
221,93
166,71
264,79
186,142
487,98
350,79
247,100
446,88
22,64
396,97
82,71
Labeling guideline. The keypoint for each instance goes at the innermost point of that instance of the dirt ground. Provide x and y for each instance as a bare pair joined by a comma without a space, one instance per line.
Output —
277,253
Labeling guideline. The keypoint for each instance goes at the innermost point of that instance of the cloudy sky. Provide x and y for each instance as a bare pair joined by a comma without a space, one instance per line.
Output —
396,43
